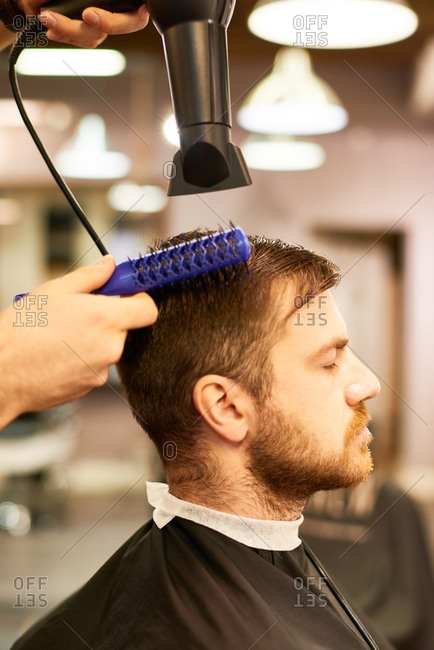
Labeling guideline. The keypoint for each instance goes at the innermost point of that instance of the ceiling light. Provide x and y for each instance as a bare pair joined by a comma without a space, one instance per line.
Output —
292,100
282,153
335,24
87,155
71,62
130,197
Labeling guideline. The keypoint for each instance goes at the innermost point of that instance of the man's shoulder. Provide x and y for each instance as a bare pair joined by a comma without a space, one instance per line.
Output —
72,624
136,578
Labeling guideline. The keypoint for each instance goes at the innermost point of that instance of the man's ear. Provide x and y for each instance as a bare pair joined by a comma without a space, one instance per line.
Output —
225,406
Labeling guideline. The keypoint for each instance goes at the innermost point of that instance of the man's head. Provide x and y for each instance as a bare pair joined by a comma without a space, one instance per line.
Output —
227,364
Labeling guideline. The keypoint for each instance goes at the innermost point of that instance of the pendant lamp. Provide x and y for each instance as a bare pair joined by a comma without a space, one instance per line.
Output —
334,24
281,153
87,154
292,100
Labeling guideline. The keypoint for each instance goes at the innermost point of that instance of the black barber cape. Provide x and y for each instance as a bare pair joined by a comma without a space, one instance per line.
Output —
187,587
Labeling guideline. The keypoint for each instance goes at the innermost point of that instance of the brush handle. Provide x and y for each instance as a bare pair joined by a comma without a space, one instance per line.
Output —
178,263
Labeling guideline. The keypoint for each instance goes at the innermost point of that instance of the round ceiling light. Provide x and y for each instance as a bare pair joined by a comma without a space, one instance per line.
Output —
334,24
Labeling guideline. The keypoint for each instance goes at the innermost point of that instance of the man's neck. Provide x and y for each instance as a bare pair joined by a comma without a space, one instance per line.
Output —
245,500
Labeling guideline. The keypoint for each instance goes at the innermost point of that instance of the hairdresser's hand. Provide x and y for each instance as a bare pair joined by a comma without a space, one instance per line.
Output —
95,26
57,343
89,32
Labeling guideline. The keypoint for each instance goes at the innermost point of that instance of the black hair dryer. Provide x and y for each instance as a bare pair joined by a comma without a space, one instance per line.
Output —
194,34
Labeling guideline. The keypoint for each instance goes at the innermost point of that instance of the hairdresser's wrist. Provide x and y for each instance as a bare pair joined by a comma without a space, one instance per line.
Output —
9,407
12,20
13,14
14,370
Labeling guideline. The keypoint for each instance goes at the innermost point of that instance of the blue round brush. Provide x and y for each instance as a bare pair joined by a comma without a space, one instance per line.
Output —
177,263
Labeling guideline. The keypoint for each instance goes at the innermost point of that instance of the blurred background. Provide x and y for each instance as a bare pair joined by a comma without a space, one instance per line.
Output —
72,480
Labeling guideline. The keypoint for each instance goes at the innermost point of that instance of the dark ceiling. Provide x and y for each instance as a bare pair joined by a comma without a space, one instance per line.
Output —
244,46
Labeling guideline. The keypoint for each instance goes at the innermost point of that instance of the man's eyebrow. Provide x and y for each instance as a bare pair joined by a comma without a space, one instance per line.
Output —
335,344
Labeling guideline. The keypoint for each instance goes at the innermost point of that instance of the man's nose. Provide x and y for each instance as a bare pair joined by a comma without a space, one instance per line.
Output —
364,384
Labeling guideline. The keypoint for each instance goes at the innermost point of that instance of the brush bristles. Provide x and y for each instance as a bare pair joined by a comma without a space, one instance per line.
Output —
191,258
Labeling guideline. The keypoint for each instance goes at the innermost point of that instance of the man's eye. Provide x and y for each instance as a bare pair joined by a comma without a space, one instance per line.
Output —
331,366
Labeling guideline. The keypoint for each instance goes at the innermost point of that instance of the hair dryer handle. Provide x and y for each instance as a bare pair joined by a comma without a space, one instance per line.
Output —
74,8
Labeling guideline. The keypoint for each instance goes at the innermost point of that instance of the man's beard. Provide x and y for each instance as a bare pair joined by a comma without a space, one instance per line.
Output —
286,461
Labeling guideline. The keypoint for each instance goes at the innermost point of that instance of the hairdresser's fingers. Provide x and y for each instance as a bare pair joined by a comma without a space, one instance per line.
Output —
113,23
94,27
135,311
130,313
73,32
83,280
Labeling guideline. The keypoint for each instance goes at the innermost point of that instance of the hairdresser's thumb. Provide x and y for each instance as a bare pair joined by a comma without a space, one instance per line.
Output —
88,278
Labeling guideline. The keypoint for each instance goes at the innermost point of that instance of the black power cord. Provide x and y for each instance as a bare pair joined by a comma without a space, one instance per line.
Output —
340,598
28,36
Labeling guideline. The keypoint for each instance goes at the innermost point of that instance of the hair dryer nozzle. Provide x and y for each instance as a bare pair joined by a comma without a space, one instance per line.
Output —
238,173
207,161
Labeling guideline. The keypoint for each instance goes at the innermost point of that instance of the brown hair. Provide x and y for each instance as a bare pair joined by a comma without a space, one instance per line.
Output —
221,323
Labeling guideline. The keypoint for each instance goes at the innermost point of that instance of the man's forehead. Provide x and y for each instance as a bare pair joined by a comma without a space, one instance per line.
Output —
292,301
314,322
312,301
